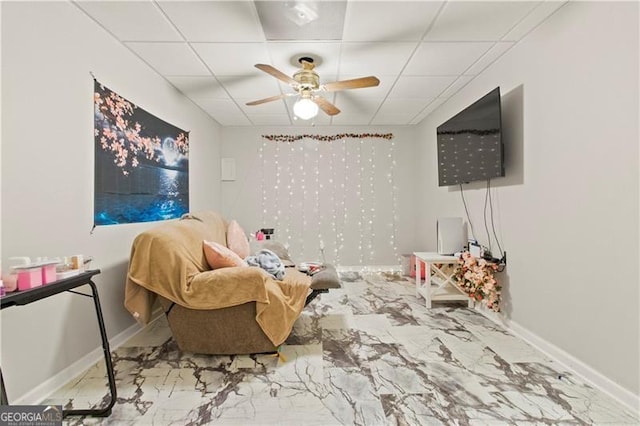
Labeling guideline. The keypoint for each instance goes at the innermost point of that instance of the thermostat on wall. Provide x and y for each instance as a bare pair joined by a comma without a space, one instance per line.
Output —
228,169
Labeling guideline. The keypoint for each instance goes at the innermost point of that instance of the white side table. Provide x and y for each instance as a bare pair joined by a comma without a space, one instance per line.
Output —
439,285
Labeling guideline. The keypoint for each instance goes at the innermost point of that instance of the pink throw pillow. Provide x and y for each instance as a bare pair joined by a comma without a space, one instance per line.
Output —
218,256
237,239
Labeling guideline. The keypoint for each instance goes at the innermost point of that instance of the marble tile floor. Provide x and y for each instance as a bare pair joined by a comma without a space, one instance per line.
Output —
367,354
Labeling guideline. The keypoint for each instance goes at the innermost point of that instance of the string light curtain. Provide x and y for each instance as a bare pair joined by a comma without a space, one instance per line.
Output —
331,198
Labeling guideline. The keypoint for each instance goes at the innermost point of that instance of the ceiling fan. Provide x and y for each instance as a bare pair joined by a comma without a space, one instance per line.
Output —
306,84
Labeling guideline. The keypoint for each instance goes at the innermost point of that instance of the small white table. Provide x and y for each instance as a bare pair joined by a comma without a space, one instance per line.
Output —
439,285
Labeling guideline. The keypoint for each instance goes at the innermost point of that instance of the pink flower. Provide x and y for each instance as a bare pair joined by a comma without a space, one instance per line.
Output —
475,277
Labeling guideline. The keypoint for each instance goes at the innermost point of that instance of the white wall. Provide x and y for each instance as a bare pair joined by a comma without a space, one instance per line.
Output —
0,156
48,51
567,210
243,198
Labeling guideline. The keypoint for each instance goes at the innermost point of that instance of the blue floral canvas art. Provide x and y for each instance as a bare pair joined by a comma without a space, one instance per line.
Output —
141,163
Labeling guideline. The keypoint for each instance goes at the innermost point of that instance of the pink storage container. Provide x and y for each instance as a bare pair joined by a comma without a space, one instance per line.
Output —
48,273
412,268
29,277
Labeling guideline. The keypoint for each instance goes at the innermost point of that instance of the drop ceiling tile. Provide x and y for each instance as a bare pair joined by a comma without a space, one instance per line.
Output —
232,120
169,58
457,85
369,21
441,58
321,120
252,87
122,19
219,106
270,108
224,111
270,120
537,15
478,20
428,110
351,119
214,21
403,106
362,59
392,119
285,55
489,57
232,58
198,87
350,103
420,87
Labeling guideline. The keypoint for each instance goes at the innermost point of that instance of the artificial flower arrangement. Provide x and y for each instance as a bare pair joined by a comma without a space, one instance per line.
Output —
475,277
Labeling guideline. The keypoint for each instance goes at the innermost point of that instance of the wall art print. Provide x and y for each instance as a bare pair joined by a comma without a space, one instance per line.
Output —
141,163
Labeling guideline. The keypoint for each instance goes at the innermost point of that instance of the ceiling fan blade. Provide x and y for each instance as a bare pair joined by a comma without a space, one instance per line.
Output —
277,74
356,83
325,105
272,98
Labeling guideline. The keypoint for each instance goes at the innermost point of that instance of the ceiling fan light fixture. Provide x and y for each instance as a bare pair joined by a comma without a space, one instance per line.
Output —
305,108
306,83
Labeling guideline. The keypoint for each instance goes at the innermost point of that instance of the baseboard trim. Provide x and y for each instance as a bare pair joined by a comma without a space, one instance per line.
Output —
579,368
41,392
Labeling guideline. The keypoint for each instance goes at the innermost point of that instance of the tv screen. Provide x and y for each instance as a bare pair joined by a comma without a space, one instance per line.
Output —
470,143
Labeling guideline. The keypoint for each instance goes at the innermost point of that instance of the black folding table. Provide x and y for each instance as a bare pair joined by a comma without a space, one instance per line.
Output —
25,297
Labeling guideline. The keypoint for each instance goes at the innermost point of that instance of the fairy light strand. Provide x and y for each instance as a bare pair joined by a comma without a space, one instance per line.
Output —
343,204
277,188
394,203
372,203
360,167
263,210
290,181
321,190
317,186
303,189
332,201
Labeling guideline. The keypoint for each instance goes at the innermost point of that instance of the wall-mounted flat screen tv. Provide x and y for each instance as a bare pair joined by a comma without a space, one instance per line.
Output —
470,143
